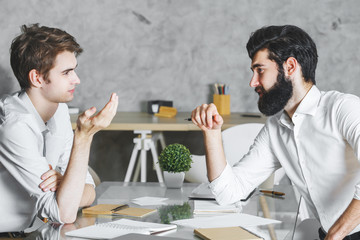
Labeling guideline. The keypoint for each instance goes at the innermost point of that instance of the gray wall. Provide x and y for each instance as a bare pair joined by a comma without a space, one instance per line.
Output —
175,49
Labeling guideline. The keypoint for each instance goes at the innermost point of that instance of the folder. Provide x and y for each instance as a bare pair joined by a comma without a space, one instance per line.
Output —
116,209
228,233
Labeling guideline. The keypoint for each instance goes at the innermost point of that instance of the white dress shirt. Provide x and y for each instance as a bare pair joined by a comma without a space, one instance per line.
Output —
27,147
318,149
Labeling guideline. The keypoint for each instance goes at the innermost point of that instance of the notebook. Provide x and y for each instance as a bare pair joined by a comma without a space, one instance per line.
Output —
228,233
118,228
203,191
206,207
116,209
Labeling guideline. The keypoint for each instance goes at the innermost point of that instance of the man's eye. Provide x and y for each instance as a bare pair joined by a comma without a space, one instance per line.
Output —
260,70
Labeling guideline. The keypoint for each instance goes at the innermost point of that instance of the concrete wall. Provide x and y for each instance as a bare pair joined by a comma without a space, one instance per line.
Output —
175,49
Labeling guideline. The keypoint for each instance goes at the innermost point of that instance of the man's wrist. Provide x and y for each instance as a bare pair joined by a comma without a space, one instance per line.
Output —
82,138
212,133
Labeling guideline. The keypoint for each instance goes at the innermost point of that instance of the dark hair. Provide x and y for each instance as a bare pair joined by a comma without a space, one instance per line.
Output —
36,48
283,42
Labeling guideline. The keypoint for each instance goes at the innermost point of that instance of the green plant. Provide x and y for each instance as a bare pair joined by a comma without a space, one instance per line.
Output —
174,212
175,158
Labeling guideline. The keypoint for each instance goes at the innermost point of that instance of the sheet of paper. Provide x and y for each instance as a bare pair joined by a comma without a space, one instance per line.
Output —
229,220
211,207
202,191
147,201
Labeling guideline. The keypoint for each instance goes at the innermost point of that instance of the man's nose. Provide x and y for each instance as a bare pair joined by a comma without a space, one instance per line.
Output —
254,82
76,79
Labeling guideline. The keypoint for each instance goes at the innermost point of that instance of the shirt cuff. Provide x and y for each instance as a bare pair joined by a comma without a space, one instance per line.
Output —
357,192
89,179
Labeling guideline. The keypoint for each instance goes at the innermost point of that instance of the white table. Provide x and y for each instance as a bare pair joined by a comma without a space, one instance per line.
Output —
285,210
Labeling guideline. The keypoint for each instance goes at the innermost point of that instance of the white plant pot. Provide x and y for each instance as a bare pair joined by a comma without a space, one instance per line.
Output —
174,180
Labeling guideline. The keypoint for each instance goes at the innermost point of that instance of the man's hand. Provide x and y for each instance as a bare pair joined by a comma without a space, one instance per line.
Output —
52,180
89,125
346,222
206,117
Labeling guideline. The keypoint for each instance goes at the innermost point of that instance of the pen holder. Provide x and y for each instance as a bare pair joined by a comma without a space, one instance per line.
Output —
222,103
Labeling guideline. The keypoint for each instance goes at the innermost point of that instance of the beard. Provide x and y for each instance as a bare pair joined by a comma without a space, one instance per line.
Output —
275,99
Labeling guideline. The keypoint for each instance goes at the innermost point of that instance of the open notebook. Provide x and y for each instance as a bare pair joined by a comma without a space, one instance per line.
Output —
119,228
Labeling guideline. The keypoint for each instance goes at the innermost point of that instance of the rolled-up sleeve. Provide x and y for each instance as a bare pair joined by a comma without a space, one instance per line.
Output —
20,155
348,123
235,183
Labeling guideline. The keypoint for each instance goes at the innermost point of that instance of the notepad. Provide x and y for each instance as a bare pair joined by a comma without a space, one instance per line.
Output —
228,233
118,228
116,209
166,112
203,191
204,207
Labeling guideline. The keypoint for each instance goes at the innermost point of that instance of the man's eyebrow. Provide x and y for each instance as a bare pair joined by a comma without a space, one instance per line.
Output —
69,69
256,66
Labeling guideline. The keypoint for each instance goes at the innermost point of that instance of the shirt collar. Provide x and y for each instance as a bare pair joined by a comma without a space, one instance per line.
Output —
31,108
307,106
310,102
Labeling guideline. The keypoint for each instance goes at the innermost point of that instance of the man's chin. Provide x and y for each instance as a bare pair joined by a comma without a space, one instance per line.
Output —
268,110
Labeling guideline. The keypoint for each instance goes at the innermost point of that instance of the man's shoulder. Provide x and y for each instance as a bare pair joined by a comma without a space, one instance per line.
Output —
13,102
333,98
13,110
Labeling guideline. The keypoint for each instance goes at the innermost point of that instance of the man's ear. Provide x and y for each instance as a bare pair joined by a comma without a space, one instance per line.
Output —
35,78
290,66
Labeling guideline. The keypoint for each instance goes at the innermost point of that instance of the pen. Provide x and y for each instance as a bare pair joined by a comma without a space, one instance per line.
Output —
189,119
251,115
273,193
119,207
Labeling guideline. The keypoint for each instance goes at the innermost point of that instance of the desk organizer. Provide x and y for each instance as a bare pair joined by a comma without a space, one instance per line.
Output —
154,106
222,103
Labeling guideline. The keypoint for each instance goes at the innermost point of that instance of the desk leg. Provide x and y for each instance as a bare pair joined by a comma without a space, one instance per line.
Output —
266,212
132,162
143,164
156,162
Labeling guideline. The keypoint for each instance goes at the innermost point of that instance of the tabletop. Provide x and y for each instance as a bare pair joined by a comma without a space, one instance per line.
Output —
179,206
129,121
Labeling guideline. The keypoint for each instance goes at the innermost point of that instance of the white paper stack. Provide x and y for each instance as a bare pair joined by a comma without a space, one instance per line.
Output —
149,201
204,207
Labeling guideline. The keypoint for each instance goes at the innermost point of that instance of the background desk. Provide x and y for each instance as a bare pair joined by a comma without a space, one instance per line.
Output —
112,148
110,154
284,210
130,121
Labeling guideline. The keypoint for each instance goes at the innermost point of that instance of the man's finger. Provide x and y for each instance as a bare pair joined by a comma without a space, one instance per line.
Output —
87,114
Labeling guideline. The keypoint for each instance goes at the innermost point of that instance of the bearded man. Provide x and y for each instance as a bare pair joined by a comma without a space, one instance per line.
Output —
309,133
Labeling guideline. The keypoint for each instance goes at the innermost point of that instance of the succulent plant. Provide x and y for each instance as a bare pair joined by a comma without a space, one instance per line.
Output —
175,158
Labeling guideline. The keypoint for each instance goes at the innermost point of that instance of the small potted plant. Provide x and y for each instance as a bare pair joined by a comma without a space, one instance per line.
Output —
174,212
175,160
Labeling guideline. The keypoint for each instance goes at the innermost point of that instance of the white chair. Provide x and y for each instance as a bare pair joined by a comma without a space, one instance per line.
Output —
307,229
197,172
94,175
236,141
